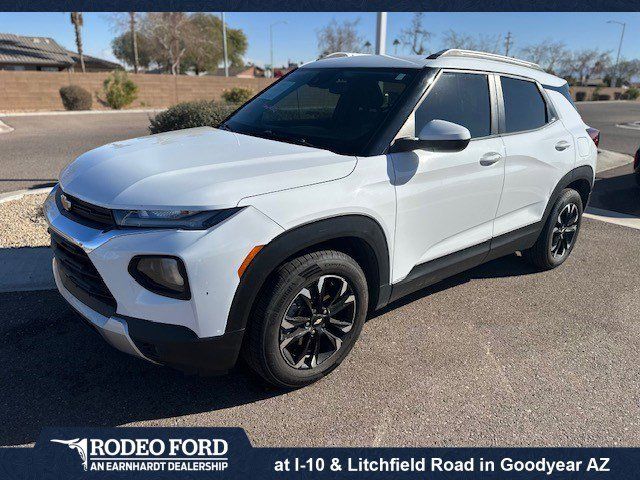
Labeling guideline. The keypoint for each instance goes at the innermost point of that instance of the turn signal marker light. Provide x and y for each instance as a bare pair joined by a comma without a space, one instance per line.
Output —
254,251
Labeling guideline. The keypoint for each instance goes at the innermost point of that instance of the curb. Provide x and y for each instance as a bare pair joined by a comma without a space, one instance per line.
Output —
81,112
4,128
630,125
610,216
608,160
18,194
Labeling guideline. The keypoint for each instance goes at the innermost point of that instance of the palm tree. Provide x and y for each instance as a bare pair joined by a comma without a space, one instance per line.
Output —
76,19
396,42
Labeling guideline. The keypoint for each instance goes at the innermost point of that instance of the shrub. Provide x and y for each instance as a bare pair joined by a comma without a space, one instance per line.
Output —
75,97
581,96
119,90
237,95
189,115
595,95
632,93
604,97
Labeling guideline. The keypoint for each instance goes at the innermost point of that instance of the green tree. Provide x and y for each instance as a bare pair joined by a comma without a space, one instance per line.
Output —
122,47
204,44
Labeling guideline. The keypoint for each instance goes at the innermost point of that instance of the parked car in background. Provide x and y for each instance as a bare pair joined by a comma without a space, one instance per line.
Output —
347,184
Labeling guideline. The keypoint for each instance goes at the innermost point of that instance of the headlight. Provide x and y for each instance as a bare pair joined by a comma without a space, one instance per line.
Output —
186,219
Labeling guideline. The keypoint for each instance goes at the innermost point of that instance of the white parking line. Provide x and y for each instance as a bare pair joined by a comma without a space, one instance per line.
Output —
613,217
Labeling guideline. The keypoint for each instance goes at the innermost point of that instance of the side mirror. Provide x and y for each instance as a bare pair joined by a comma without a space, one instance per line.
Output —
436,135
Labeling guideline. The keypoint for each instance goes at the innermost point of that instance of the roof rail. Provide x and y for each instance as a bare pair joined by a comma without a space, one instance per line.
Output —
343,54
457,52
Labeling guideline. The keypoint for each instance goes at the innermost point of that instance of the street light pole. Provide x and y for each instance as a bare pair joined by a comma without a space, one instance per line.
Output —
615,68
271,41
224,46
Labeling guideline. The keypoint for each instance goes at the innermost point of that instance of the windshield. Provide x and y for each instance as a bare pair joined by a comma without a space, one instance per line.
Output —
334,109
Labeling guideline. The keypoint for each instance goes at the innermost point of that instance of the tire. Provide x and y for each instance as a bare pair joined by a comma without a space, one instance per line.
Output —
547,253
293,290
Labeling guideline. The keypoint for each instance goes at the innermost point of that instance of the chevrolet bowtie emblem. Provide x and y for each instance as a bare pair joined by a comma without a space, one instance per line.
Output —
66,203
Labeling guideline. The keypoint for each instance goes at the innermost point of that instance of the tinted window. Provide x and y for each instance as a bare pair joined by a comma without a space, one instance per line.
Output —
524,107
564,90
331,108
461,98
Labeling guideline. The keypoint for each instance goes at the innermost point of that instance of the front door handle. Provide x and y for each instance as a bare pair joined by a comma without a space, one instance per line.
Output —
562,145
490,158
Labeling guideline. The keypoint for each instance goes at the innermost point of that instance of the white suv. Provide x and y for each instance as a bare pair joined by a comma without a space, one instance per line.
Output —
347,184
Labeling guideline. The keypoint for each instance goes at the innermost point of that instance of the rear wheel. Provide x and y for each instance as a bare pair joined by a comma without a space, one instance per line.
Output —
559,235
307,318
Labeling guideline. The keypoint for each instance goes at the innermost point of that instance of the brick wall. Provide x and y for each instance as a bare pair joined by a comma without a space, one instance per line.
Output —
33,91
613,92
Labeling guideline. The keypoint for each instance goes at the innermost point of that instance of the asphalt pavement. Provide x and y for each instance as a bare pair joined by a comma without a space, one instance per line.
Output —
41,145
500,355
605,116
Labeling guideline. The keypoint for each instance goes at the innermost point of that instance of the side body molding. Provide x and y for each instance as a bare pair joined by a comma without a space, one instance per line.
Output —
300,238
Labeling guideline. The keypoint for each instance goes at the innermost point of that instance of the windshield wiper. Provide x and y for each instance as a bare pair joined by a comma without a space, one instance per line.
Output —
226,127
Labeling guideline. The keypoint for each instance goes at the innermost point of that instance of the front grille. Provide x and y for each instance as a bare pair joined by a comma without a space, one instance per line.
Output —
85,213
80,277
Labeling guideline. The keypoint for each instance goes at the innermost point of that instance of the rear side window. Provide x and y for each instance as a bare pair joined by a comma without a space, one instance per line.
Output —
564,90
461,98
524,107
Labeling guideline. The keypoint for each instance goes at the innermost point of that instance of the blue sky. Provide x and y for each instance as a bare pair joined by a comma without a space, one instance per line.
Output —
297,39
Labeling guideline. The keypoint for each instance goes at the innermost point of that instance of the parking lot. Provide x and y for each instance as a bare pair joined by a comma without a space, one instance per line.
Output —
499,355
495,356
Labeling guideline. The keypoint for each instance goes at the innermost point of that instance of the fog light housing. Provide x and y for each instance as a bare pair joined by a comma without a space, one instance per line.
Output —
164,275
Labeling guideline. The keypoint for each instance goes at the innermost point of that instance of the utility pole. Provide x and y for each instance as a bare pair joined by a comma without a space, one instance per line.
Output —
615,68
271,40
507,44
381,33
224,46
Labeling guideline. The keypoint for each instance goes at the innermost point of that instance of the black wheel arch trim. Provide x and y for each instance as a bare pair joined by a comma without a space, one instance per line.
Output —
583,172
290,242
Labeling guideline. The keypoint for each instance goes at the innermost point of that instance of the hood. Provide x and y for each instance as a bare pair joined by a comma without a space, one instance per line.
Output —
196,168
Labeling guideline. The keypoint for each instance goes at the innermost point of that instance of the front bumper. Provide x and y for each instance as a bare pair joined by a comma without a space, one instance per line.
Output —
164,344
189,334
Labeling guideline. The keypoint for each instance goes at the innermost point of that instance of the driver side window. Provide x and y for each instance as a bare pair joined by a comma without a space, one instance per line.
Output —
461,98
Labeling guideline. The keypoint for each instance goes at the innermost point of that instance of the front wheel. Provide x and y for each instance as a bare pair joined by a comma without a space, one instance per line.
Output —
307,318
559,235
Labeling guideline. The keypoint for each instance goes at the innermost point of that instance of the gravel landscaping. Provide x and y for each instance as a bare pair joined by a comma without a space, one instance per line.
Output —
22,223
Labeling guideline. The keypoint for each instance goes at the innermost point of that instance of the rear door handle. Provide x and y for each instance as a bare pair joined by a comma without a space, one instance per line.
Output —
562,145
490,158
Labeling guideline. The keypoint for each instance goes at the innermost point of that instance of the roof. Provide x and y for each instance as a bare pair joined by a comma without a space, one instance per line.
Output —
88,58
17,49
492,63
